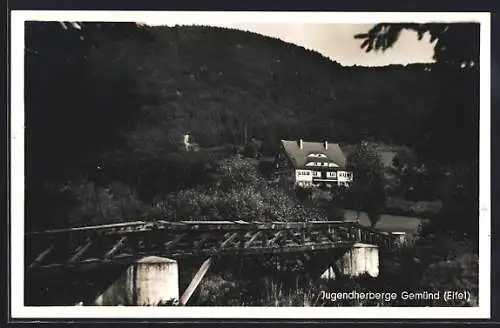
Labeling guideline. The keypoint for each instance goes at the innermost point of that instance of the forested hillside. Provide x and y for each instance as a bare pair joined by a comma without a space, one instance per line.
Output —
106,108
212,82
107,105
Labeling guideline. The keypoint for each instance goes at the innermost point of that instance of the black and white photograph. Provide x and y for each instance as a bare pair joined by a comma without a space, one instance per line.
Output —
285,165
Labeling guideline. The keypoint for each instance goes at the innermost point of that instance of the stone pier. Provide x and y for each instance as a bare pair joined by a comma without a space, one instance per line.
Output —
400,238
147,282
358,260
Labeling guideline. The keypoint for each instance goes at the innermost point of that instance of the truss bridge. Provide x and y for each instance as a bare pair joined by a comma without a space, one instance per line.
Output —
92,246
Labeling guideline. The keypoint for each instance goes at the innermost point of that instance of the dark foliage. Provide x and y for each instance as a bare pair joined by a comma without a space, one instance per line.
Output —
451,133
367,189
109,103
456,44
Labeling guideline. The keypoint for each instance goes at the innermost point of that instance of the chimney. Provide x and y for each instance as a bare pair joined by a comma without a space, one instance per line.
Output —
300,143
326,145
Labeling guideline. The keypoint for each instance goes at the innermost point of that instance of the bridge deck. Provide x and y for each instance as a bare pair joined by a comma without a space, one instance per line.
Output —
121,243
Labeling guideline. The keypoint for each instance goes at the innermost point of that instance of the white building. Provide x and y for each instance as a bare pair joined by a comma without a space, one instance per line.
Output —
309,164
188,144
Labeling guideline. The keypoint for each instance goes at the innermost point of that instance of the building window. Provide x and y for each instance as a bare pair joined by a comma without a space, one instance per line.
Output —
303,172
317,155
331,174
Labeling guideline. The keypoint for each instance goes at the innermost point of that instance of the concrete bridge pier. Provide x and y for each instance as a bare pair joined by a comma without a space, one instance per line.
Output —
401,239
148,281
358,260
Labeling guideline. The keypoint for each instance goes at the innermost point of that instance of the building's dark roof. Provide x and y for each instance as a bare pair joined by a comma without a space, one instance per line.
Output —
299,157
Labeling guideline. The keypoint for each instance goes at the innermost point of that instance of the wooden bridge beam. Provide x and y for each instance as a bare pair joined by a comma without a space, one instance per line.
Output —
119,244
198,277
253,238
80,252
169,244
42,255
276,236
229,239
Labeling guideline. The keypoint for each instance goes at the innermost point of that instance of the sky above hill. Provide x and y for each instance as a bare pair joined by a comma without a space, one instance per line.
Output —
337,42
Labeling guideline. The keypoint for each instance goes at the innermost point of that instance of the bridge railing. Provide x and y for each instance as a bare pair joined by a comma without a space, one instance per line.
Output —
346,231
196,225
117,242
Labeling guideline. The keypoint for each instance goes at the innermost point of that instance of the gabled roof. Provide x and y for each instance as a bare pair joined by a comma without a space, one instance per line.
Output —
299,157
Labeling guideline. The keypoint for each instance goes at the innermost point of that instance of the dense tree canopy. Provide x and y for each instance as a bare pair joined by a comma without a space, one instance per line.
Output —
368,182
237,192
108,103
450,134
